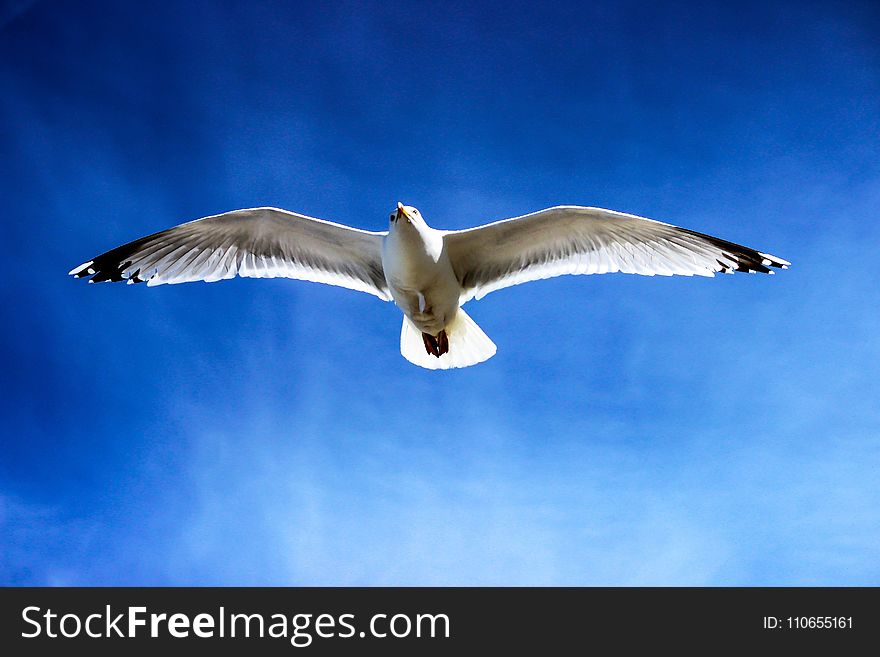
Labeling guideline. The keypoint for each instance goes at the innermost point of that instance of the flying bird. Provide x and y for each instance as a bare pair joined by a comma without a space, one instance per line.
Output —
428,273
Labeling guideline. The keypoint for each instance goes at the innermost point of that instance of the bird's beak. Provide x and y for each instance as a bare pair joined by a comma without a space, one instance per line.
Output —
401,211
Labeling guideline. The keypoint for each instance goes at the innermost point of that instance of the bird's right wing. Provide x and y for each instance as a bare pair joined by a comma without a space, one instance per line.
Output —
256,243
579,240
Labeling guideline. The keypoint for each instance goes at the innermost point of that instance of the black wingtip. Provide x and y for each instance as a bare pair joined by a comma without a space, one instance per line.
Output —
741,258
103,269
110,266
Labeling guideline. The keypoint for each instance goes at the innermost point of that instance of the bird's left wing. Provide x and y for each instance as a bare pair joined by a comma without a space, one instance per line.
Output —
579,240
256,243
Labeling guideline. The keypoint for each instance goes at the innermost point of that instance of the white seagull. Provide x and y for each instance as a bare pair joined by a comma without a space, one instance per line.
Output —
428,273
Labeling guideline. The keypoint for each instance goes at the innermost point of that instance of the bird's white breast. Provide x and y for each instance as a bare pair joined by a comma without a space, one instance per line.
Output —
420,276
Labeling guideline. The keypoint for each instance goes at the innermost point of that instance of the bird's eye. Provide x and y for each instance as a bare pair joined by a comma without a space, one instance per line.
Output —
391,217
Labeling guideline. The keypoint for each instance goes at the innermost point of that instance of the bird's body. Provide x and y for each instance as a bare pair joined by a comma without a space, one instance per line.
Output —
419,273
428,273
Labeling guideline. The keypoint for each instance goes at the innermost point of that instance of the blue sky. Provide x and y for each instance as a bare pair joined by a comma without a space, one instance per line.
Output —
629,431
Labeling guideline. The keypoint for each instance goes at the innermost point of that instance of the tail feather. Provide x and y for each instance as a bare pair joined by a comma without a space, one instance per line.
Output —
468,345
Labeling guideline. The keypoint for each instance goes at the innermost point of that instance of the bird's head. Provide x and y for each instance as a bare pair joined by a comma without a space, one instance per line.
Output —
406,214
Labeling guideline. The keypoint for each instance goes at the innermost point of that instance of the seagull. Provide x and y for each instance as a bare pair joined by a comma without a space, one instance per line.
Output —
428,273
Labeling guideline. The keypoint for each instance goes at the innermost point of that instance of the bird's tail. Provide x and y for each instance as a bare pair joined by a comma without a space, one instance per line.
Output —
468,345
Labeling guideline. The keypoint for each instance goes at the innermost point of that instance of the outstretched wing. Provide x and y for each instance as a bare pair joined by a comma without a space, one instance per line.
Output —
256,243
579,240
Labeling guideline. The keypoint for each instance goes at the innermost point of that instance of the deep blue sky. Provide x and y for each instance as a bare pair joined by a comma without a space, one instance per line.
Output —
630,430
